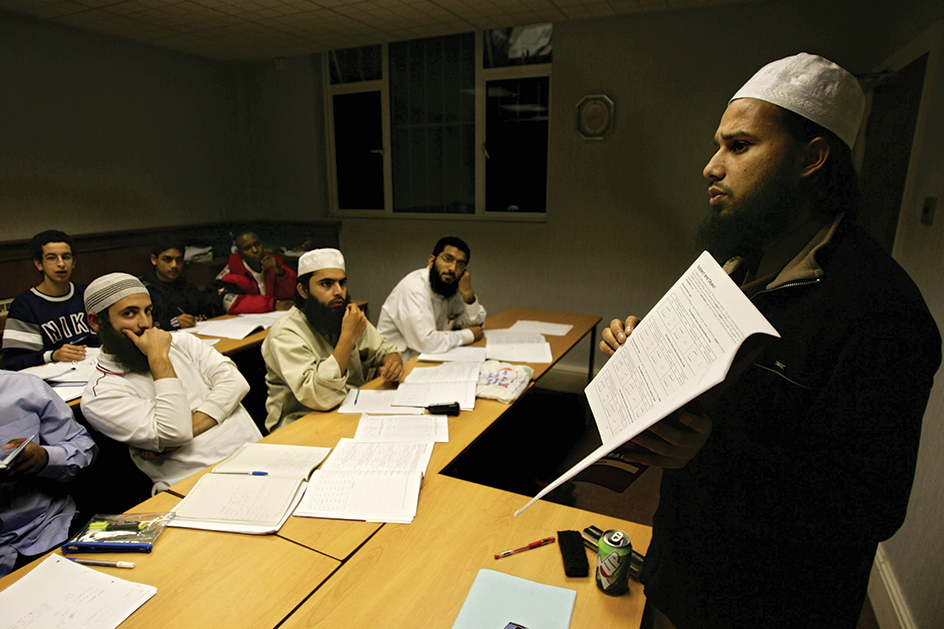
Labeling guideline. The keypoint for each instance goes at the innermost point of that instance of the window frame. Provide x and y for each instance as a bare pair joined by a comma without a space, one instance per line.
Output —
482,77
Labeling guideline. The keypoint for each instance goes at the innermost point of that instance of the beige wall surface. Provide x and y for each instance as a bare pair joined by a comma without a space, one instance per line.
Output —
98,134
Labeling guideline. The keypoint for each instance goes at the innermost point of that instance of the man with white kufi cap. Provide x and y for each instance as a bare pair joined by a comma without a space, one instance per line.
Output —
773,501
171,398
324,346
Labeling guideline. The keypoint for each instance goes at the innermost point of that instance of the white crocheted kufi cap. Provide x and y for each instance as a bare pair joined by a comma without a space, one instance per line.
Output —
318,259
814,88
110,289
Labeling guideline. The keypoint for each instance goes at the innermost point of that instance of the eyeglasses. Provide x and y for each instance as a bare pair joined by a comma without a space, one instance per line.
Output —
448,259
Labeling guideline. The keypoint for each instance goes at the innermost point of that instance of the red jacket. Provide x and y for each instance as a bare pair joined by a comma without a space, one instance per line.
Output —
235,272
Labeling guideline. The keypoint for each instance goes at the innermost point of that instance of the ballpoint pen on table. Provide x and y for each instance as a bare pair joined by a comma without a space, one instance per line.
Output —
540,542
106,564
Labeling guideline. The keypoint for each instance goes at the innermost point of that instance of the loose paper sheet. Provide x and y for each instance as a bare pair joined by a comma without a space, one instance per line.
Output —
60,594
402,428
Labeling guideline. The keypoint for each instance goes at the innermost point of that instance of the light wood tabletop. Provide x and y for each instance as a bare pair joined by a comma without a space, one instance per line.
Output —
210,579
419,574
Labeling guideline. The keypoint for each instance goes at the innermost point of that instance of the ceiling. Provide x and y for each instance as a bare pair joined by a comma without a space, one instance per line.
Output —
267,29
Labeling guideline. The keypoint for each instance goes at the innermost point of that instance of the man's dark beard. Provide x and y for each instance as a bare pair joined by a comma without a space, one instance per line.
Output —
126,353
439,286
745,229
326,320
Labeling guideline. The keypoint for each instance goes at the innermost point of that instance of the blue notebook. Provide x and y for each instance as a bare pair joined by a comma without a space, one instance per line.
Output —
497,599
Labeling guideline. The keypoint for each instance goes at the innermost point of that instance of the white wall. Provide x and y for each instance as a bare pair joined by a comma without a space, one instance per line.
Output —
916,553
99,134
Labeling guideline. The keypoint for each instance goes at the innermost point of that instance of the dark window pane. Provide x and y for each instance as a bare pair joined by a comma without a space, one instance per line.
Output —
520,45
432,97
355,64
358,140
516,122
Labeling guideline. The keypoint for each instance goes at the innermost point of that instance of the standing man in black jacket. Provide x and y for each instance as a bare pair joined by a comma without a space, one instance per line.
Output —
773,502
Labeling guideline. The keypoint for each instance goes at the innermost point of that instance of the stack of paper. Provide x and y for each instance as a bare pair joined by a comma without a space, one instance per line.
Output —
402,429
60,593
376,482
253,491
445,384
517,347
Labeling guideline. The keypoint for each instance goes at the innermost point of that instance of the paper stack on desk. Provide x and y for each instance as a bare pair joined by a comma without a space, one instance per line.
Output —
376,482
444,384
497,599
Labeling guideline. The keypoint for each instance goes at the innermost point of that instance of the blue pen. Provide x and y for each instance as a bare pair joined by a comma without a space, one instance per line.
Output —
357,396
258,473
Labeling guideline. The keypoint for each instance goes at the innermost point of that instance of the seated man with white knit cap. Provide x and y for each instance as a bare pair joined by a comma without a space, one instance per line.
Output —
324,345
170,397
773,501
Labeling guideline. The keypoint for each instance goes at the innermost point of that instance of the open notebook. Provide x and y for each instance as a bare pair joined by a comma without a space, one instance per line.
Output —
253,491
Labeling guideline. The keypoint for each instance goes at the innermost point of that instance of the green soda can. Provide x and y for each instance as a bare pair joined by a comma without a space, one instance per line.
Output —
613,558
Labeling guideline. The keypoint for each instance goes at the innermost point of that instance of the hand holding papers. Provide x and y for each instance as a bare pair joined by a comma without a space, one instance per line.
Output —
684,347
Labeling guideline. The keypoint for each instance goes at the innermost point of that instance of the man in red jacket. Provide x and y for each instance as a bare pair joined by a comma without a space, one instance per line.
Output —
267,284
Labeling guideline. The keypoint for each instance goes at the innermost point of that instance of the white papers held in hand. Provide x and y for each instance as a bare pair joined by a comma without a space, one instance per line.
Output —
683,348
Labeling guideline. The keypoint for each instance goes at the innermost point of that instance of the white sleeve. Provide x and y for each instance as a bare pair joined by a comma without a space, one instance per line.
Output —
118,409
227,385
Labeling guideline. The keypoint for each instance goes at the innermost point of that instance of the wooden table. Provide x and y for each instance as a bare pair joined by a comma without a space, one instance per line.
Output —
336,573
207,579
418,575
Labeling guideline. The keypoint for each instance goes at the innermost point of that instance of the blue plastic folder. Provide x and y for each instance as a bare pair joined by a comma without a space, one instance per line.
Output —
497,599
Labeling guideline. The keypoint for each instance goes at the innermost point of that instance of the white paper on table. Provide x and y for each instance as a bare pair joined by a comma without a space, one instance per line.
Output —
509,337
375,402
242,527
233,328
274,459
362,495
350,455
684,347
402,429
456,354
541,327
450,372
59,593
422,395
520,353
66,371
238,499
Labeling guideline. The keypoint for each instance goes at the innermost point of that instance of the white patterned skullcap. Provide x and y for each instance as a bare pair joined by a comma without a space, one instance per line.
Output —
318,259
110,289
814,88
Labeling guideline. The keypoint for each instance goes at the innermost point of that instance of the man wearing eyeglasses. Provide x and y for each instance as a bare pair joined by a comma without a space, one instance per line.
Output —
47,323
434,309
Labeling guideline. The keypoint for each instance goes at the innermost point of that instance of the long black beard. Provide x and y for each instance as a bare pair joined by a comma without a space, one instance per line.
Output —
126,353
439,286
745,230
326,320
